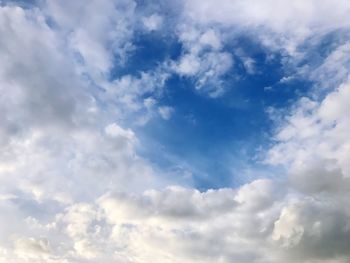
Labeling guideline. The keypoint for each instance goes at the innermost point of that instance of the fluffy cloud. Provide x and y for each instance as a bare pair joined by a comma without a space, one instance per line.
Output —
72,185
134,96
99,31
185,225
40,86
316,131
204,59
292,29
52,126
290,22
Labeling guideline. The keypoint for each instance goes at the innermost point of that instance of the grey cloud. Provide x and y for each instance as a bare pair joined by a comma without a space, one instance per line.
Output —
37,83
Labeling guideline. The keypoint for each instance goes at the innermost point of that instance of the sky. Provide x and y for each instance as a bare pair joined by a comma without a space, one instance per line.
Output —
136,131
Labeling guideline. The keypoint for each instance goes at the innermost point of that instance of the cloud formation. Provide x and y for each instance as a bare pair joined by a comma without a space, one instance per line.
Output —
73,185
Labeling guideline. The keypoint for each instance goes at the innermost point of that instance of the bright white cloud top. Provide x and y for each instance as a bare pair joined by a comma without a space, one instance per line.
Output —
76,183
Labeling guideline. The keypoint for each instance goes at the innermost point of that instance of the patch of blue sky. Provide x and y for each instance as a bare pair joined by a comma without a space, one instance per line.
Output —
21,3
215,138
151,49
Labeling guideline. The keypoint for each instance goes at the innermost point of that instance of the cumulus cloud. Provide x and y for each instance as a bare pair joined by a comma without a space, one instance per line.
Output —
51,123
292,29
316,130
185,225
291,22
40,86
73,187
134,95
203,60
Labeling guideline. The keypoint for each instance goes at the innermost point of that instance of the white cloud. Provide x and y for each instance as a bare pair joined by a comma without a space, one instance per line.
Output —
207,69
165,112
134,97
52,128
74,189
34,76
30,248
100,31
189,65
211,39
334,70
291,22
153,22
316,131
185,225
292,29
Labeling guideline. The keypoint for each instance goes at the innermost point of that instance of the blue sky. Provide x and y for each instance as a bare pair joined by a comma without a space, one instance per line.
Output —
203,131
174,131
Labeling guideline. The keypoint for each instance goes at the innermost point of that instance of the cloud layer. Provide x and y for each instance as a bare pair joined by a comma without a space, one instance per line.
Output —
73,184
